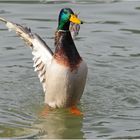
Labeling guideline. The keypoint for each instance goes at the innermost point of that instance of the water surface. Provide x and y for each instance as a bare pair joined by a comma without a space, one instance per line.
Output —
109,43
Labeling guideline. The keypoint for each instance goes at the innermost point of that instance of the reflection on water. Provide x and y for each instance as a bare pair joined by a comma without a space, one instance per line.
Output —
108,41
60,125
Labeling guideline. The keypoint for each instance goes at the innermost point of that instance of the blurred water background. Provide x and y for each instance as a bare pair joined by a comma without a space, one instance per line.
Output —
109,42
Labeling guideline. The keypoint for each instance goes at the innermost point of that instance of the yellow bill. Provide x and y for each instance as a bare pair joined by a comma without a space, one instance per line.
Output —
75,20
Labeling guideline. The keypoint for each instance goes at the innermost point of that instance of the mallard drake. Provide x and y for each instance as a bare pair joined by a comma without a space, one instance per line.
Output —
62,73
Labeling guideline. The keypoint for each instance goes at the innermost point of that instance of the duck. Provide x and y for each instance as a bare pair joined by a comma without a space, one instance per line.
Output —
62,73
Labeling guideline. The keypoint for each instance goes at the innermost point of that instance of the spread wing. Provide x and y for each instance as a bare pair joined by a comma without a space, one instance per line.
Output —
42,54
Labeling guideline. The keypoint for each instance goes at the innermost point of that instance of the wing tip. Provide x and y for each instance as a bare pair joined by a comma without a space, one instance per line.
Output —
3,20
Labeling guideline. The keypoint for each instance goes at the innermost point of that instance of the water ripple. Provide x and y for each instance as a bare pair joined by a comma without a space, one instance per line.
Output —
4,12
135,55
109,22
134,31
59,1
40,19
137,8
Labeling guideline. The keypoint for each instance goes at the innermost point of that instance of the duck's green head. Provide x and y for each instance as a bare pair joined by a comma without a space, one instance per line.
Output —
65,17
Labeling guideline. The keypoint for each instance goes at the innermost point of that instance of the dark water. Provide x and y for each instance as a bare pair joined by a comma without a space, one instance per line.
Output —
110,44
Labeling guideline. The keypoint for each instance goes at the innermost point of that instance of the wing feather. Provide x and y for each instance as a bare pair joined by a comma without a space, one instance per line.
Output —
42,54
